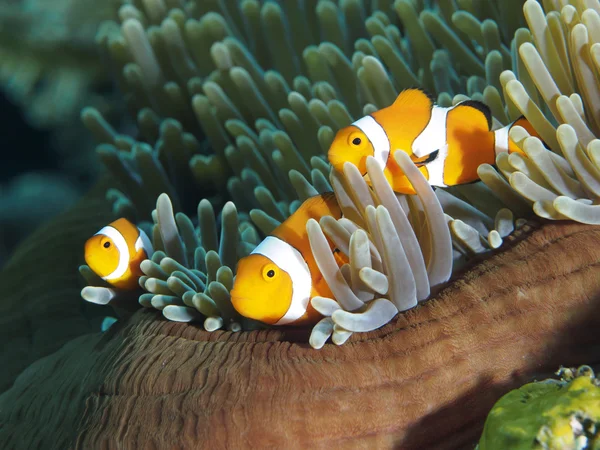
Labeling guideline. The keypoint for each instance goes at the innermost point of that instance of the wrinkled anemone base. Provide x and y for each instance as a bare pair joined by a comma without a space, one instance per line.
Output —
426,380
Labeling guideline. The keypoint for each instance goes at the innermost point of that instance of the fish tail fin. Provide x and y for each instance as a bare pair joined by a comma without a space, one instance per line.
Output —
508,144
523,122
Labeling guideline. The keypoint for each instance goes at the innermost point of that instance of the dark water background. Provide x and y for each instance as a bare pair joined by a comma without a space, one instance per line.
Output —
38,178
24,148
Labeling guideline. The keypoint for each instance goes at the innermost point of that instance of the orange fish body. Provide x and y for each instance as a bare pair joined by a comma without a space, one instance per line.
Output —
274,284
447,144
116,251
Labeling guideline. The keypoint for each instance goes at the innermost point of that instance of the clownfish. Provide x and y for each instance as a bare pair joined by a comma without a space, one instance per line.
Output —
116,251
446,144
274,284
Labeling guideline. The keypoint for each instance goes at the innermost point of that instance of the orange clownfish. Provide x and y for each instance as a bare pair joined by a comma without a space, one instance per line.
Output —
116,251
447,144
274,284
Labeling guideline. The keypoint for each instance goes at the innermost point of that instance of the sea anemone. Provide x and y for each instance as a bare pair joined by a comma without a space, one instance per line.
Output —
556,87
401,249
188,267
387,271
238,95
519,312
274,131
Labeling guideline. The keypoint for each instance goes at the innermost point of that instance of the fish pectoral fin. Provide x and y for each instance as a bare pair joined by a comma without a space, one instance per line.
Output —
426,159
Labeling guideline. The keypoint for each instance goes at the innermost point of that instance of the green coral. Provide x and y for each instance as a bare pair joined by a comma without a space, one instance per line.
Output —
552,414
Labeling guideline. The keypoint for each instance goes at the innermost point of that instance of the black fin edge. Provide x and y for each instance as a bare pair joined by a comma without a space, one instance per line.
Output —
427,93
482,107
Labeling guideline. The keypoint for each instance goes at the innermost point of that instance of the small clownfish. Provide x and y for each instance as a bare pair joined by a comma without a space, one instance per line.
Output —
116,251
274,284
446,144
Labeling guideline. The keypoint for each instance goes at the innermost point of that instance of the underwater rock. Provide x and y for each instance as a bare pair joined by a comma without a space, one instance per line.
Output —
426,379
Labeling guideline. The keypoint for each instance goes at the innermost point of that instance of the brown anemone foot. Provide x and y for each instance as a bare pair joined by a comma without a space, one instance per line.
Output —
427,380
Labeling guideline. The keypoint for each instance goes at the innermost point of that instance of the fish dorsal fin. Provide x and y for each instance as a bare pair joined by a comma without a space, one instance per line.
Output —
470,114
322,204
293,229
414,98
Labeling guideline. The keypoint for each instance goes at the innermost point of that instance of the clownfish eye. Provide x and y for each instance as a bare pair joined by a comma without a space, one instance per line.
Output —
106,244
356,138
269,272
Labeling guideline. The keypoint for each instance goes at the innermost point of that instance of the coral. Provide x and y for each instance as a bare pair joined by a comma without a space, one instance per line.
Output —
146,383
49,69
549,414
555,85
